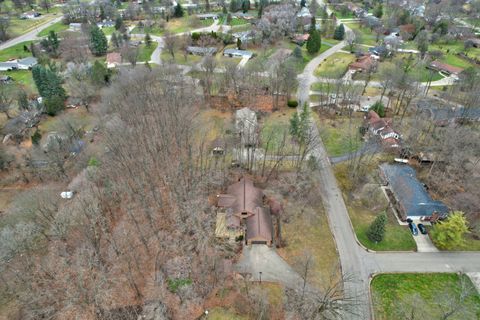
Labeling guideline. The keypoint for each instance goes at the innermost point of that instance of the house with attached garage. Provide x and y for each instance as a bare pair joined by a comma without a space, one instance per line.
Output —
241,213
408,196
20,64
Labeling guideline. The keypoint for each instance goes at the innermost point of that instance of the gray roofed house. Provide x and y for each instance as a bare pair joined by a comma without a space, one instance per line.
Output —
27,63
410,197
206,16
8,66
201,51
237,53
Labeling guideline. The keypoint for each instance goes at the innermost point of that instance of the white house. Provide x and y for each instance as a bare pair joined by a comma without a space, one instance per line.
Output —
27,63
75,26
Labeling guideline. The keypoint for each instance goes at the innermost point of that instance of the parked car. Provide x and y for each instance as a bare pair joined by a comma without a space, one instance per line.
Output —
422,228
413,228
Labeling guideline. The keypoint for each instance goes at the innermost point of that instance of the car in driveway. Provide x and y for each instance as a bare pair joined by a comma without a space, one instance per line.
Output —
422,228
413,228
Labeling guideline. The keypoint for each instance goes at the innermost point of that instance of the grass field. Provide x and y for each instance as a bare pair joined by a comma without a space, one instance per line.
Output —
335,66
367,36
15,52
145,52
180,58
238,22
275,126
340,136
57,27
20,26
394,292
23,77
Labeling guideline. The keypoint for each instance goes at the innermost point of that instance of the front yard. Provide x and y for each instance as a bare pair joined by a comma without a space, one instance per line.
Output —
364,201
428,296
335,66
341,135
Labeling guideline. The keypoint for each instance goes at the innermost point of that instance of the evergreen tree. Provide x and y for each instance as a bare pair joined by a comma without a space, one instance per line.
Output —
114,40
100,74
233,5
54,105
379,108
303,3
376,231
239,44
36,137
48,82
98,41
118,23
178,13
148,40
378,11
450,234
339,33
245,6
297,53
314,42
260,11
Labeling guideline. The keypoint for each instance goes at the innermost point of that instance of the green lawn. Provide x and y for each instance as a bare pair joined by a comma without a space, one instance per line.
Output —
16,51
395,292
145,52
155,30
23,77
340,136
180,58
368,37
335,66
57,27
20,26
238,22
275,126
108,30
362,212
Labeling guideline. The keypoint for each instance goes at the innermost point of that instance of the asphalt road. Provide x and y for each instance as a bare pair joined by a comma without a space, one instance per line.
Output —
32,35
357,263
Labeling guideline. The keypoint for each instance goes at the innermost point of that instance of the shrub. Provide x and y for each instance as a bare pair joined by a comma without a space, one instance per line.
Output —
93,162
36,137
54,105
174,284
292,103
379,108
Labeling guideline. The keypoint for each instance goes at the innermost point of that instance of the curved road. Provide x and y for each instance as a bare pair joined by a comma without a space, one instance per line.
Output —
29,36
355,261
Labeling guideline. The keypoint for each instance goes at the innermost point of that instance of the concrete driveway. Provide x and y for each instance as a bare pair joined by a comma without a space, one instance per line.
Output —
424,244
261,258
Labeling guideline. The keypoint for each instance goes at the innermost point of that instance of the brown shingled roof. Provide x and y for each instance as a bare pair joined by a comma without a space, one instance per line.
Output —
440,66
259,227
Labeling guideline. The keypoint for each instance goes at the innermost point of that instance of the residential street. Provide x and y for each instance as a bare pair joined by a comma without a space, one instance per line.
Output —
32,35
355,261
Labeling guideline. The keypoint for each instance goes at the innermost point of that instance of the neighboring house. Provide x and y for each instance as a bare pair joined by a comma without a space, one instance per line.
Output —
443,114
20,64
201,51
445,68
27,63
300,39
392,41
246,126
20,125
30,15
243,205
113,59
218,147
382,127
379,51
106,24
474,41
409,196
365,63
304,15
74,26
244,36
207,16
244,16
237,53
8,66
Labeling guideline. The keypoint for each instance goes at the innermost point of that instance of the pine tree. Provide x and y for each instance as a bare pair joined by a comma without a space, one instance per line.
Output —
100,74
148,40
178,13
233,5
297,53
239,44
48,82
314,42
378,11
379,108
303,3
376,231
98,41
114,40
118,23
339,33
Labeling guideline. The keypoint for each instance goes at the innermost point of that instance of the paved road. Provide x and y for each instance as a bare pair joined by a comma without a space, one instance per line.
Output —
355,261
32,35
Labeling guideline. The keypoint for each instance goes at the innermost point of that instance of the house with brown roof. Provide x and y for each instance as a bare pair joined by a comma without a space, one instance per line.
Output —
382,127
241,211
445,68
113,59
364,63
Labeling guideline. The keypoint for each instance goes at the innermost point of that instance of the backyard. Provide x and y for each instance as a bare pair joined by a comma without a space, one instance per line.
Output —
56,27
145,52
341,135
396,296
368,37
16,52
23,77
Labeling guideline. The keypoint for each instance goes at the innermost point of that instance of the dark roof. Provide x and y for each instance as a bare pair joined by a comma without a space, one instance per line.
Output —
410,193
445,67
259,226
241,197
